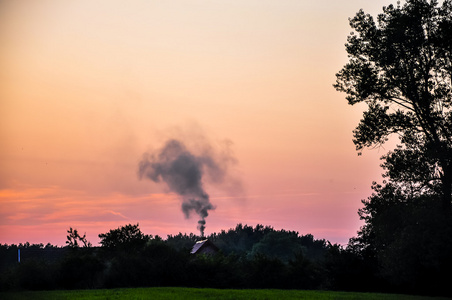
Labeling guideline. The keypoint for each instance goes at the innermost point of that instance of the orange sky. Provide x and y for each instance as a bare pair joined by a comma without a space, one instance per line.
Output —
86,87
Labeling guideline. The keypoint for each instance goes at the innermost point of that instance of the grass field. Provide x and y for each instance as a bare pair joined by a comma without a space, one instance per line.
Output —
194,293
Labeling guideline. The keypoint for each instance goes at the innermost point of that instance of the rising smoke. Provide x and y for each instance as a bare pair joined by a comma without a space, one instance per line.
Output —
185,173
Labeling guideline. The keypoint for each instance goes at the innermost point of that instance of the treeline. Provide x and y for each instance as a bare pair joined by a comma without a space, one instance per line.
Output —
249,257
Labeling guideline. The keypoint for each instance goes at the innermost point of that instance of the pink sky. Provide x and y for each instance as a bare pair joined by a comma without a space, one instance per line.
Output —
87,87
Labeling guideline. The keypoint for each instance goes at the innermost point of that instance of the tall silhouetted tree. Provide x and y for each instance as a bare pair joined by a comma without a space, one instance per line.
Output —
401,67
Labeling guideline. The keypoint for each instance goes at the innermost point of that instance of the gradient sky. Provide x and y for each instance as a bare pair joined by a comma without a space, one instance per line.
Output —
87,87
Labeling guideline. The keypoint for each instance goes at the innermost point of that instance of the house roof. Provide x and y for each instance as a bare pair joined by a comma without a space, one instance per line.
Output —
202,244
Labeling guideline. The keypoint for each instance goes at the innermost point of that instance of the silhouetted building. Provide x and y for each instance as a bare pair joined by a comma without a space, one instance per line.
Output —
204,247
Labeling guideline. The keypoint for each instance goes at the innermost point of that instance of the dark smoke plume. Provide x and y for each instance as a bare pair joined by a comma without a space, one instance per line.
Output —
183,172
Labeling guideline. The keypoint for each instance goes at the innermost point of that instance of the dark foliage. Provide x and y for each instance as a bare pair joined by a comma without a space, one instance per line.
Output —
126,237
273,259
80,269
400,66
277,259
74,239
408,239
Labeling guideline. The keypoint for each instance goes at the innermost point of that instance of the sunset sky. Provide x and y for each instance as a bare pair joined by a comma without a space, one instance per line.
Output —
88,87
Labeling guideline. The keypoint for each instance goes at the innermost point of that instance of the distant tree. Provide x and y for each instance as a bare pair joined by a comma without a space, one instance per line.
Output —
241,239
50,246
27,245
128,236
181,241
401,67
283,245
73,239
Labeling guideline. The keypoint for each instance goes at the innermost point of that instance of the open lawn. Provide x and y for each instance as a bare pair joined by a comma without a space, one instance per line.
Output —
196,293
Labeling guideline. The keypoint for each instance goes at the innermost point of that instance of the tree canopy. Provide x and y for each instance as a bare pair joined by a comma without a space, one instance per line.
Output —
128,236
400,65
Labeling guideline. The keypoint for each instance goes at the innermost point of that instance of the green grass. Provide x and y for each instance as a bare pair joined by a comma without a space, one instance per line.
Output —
193,293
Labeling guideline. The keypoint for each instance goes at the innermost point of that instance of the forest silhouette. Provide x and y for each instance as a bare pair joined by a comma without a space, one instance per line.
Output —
249,257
